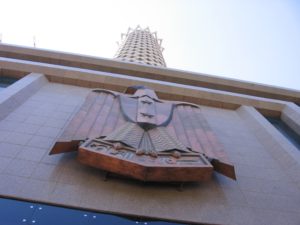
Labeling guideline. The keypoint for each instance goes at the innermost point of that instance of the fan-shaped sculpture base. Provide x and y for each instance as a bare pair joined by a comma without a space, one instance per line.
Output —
163,168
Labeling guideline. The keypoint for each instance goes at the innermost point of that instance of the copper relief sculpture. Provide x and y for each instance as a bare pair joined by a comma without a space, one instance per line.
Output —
137,135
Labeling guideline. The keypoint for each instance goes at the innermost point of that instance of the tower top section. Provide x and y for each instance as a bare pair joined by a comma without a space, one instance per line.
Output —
141,46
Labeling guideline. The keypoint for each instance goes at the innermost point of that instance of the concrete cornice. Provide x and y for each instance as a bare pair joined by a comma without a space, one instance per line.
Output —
166,90
150,72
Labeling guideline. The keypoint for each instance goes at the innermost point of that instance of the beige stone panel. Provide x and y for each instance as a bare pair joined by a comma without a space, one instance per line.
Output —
14,95
285,153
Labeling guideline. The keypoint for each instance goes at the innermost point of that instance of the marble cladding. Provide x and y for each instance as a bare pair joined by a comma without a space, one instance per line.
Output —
264,193
18,92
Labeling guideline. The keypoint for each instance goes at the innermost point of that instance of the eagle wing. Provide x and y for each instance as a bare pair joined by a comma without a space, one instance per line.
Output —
99,115
189,126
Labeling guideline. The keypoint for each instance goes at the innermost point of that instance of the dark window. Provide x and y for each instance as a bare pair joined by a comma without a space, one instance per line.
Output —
6,81
13,212
286,131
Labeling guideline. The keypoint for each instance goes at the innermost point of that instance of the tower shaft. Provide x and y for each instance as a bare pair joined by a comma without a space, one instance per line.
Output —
141,46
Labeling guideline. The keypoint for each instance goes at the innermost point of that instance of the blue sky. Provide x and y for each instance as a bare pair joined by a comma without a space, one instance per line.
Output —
253,40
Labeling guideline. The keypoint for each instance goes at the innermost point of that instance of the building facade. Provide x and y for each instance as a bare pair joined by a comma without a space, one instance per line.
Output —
257,125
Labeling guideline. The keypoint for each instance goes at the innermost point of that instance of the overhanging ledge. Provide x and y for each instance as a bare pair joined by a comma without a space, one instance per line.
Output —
166,90
143,71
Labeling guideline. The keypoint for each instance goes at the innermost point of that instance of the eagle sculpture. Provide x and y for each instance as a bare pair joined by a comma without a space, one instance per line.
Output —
138,135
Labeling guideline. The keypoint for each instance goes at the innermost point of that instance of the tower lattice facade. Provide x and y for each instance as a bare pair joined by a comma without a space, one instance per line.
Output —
141,46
